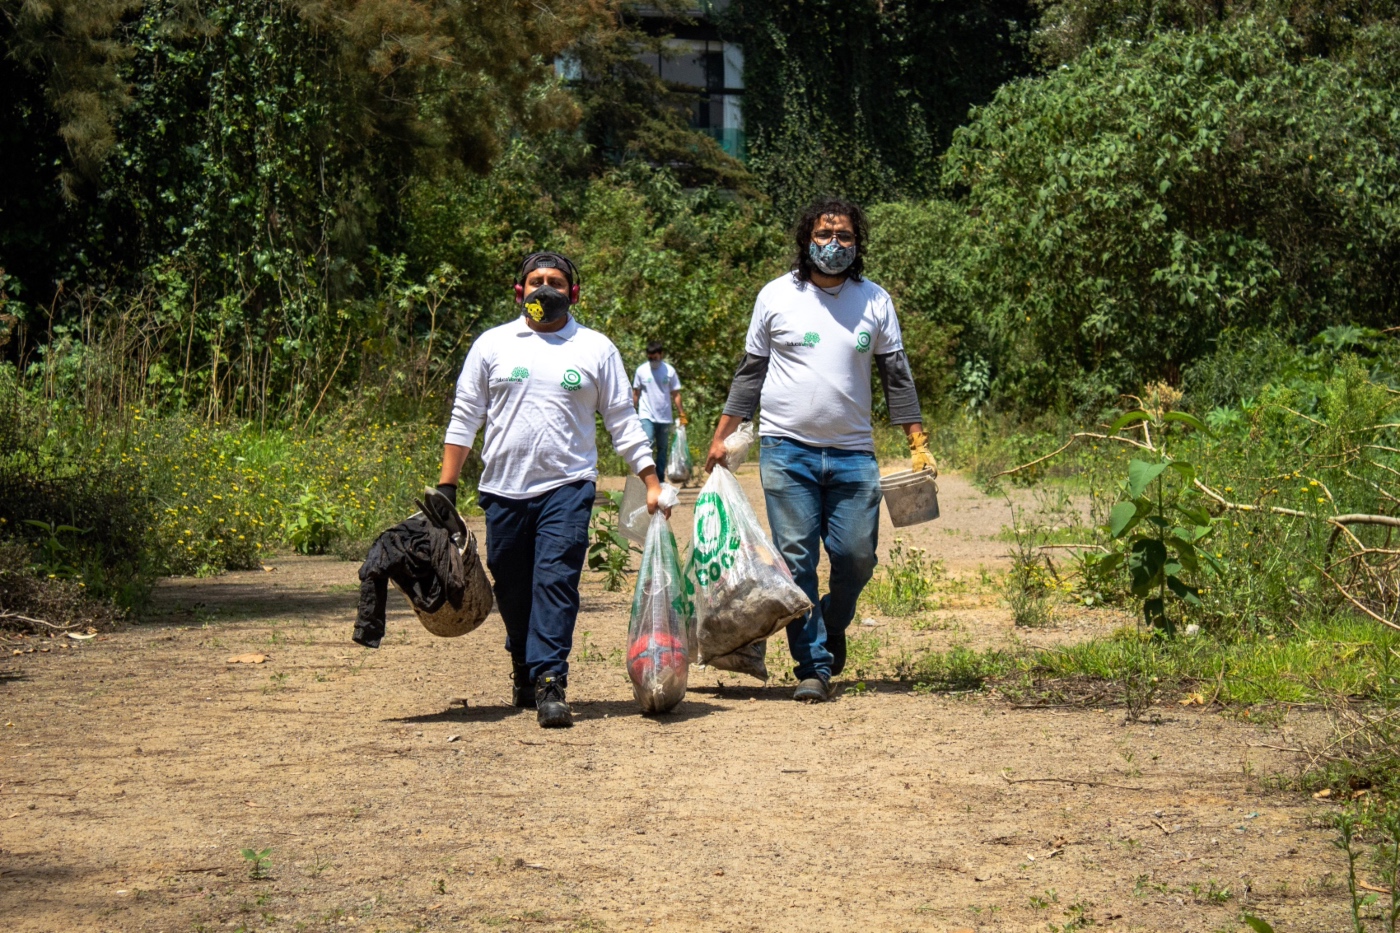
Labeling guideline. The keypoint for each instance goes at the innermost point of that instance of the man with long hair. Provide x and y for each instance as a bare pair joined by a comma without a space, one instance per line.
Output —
811,341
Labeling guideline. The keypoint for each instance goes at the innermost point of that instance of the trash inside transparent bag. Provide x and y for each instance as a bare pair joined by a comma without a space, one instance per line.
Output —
659,633
736,445
679,464
744,592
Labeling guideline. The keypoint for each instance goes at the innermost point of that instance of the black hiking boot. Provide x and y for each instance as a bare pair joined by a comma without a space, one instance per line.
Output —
554,712
813,690
522,691
836,644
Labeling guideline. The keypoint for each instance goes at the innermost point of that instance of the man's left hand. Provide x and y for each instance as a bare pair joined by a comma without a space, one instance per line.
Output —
683,420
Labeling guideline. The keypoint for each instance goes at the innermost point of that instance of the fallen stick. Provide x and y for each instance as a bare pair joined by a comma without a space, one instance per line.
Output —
1067,781
6,614
1352,599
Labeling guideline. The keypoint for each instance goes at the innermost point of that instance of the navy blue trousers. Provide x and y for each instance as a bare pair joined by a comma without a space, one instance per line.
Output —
535,550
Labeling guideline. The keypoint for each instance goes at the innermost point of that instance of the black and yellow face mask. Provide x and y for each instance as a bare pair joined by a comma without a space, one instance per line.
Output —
546,304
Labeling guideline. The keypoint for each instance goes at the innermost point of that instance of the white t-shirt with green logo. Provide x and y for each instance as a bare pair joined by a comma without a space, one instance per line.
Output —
819,348
537,395
656,385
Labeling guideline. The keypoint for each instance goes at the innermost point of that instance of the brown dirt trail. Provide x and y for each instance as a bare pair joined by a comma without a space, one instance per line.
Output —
398,791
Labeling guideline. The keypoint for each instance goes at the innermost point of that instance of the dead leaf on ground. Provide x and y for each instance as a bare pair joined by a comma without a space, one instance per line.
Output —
248,659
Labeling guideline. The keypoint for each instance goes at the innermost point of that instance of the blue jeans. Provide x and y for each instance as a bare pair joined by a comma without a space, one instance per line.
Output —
833,496
535,550
659,433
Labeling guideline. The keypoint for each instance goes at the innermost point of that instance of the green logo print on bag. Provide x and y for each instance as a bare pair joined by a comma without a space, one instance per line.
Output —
862,341
715,539
572,380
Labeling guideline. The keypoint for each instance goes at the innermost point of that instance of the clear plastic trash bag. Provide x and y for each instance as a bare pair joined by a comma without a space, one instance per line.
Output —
658,635
679,464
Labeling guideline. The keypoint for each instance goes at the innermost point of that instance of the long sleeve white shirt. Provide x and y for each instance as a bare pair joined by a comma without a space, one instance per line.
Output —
536,394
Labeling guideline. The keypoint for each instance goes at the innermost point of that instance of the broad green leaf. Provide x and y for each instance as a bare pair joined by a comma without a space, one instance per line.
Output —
1186,471
1122,518
1127,419
1109,563
1145,563
1184,418
1186,554
1197,514
1257,925
1141,474
1187,593
1154,613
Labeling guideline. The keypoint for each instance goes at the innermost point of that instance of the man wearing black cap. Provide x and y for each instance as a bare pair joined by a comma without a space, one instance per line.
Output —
535,384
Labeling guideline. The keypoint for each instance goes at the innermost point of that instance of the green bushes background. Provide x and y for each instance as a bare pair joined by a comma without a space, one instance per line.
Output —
247,245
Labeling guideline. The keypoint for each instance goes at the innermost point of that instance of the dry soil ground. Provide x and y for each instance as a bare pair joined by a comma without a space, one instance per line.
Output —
396,790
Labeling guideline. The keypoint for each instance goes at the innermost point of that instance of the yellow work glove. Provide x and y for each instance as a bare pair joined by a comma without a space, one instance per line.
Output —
920,458
684,420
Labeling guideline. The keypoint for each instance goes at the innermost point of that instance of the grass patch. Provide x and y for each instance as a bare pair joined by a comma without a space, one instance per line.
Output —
1328,659
905,585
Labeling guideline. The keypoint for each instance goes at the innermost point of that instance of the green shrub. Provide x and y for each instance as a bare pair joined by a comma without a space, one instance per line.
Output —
1136,201
906,583
48,484
32,600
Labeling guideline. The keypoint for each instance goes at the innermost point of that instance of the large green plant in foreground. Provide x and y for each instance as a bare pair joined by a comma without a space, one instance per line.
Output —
1141,198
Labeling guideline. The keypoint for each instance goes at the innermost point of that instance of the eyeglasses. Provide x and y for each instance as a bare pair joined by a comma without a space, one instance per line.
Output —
826,236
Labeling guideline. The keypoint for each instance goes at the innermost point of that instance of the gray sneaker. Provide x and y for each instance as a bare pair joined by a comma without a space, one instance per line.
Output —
813,690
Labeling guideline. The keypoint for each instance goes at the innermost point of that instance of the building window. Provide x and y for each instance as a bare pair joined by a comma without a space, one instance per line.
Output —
713,72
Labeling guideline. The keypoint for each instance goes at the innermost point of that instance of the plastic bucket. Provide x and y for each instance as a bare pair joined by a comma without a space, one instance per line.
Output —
911,498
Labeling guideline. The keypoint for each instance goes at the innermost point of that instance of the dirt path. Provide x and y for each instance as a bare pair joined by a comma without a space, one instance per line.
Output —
397,791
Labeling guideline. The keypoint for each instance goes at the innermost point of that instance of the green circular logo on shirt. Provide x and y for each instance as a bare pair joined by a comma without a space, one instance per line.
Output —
572,380
862,341
811,338
714,539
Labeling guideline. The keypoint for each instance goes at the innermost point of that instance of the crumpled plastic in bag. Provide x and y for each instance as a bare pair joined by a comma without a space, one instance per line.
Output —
747,660
744,592
736,446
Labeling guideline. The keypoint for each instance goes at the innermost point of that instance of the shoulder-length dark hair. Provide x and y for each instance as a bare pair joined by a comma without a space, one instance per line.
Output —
802,265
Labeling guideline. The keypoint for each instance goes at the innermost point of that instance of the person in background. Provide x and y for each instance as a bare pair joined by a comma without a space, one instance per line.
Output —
814,334
656,391
536,384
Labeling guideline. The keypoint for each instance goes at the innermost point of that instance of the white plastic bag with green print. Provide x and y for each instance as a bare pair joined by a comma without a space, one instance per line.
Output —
743,590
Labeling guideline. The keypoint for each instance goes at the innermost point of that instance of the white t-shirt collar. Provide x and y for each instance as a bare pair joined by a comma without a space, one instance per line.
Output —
564,333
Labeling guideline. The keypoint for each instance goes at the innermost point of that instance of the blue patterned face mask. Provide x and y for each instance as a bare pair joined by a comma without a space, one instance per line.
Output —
833,258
